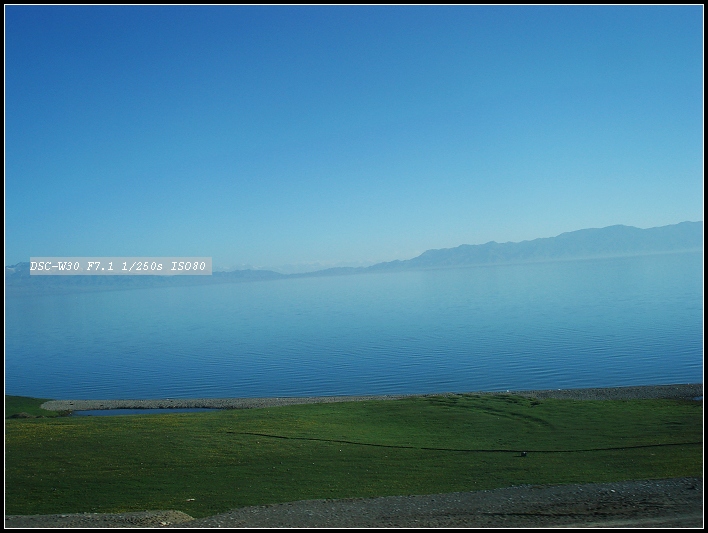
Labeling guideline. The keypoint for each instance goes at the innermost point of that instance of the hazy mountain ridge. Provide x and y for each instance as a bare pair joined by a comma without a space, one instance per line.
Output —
612,241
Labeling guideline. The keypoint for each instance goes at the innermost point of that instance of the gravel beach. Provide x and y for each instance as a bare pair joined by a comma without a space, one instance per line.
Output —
648,503
670,502
676,391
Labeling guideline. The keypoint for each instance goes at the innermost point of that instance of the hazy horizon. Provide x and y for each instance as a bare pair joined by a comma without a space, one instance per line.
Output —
676,242
293,136
294,268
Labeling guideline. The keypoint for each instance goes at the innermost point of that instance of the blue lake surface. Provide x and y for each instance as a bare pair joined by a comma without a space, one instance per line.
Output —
589,323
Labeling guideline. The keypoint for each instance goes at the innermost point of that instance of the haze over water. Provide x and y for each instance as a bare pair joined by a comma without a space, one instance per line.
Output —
589,323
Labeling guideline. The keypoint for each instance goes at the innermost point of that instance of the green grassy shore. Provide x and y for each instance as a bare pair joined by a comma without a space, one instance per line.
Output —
19,406
210,462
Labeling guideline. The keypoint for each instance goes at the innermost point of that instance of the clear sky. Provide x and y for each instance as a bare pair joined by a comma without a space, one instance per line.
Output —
273,135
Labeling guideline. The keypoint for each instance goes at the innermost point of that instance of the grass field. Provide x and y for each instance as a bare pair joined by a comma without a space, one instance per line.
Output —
210,462
22,404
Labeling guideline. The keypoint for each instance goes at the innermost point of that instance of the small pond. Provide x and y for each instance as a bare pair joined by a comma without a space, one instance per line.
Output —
116,412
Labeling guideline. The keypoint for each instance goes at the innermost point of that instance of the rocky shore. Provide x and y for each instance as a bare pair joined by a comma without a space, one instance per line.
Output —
676,391
648,503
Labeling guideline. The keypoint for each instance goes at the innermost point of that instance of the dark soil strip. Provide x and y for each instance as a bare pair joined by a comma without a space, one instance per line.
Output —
480,450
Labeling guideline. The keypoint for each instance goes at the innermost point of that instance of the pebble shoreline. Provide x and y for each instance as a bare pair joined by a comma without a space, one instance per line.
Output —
659,503
675,391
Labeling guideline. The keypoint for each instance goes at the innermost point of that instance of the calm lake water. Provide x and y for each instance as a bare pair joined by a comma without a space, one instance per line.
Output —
592,323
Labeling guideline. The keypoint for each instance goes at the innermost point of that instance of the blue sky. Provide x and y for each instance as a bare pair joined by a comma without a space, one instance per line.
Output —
272,135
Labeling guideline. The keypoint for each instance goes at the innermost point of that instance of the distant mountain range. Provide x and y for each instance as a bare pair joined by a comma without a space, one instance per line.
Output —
613,241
